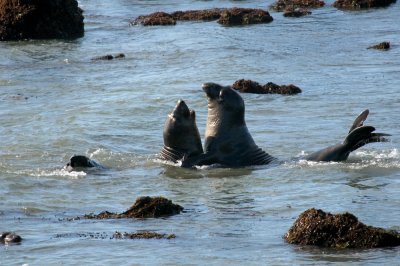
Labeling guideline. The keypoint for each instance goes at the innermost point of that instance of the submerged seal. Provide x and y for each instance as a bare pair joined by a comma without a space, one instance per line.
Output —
227,140
81,161
8,238
181,135
358,136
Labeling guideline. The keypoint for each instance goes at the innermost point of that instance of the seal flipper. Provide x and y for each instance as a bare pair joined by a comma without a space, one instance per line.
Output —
358,136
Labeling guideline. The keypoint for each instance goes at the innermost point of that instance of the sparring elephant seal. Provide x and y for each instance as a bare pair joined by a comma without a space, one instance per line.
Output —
181,135
227,140
358,136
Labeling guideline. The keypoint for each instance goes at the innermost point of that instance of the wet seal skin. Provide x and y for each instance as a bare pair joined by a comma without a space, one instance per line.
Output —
8,238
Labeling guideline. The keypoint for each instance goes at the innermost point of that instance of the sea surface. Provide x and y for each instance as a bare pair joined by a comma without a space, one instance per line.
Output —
56,102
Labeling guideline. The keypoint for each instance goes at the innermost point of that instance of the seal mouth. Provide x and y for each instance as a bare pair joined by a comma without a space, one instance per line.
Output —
180,110
211,89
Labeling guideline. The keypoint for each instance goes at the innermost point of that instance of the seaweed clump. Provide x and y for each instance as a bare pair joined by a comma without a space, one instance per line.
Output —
361,4
249,86
144,207
381,46
155,19
202,15
282,5
142,235
244,16
318,228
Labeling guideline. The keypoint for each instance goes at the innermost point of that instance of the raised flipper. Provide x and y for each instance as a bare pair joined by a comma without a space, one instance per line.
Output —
358,136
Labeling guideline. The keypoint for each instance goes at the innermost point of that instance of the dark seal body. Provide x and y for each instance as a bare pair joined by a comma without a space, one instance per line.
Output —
181,135
227,140
79,162
358,136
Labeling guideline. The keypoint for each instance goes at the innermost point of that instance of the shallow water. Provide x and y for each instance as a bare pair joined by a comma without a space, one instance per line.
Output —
56,102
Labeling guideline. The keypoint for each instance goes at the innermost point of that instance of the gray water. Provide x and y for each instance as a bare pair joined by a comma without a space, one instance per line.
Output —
56,102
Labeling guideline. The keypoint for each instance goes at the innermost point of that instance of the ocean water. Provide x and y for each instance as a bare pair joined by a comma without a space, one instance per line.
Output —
55,102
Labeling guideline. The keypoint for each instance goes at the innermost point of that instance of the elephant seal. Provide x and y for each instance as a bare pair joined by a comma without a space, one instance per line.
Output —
227,140
358,136
181,135
8,238
81,161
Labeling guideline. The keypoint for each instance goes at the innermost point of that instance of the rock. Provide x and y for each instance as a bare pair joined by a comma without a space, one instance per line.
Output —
361,4
296,13
205,15
108,57
9,238
144,207
381,46
249,86
142,235
155,19
318,228
244,16
282,5
40,19
282,89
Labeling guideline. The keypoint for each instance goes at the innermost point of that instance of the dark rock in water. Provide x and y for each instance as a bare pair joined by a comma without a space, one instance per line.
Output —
109,57
249,86
296,13
318,228
282,89
282,5
142,235
361,4
244,16
155,19
144,207
40,19
204,15
9,238
381,46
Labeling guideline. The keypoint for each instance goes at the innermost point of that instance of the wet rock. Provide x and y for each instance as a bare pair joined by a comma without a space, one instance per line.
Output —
155,19
142,235
361,4
244,16
108,57
381,46
318,228
9,238
282,5
204,15
249,86
144,207
281,89
40,19
296,13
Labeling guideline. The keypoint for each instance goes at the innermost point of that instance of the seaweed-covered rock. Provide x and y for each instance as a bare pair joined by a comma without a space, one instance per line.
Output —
40,19
142,235
108,57
9,238
155,19
282,5
249,86
381,46
281,89
318,228
361,4
144,207
205,15
296,13
244,16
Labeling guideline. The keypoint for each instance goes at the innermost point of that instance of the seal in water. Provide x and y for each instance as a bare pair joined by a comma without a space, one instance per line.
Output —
81,161
227,140
358,136
8,238
181,135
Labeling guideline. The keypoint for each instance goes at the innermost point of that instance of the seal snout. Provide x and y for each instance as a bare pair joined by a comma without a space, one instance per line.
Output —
211,89
181,109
